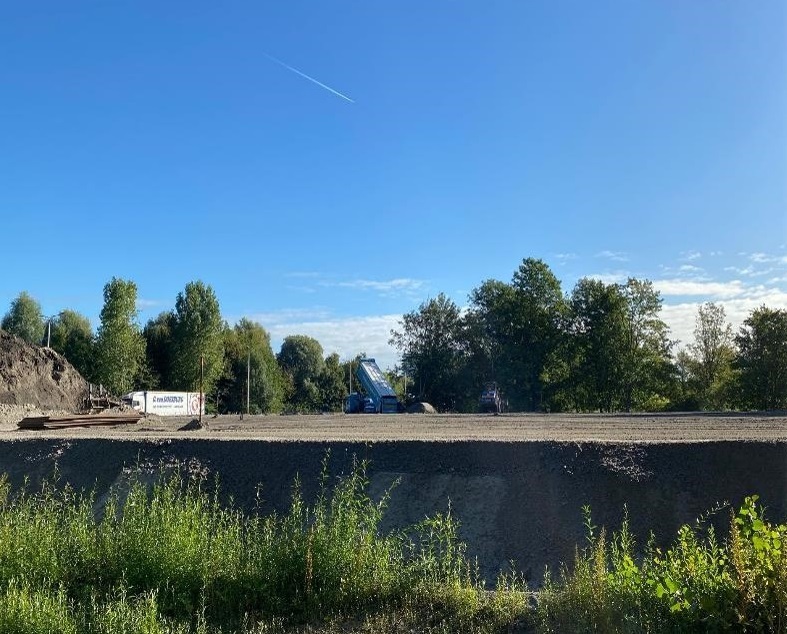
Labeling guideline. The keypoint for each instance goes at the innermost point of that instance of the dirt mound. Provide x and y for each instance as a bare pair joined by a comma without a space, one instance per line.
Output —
421,408
41,377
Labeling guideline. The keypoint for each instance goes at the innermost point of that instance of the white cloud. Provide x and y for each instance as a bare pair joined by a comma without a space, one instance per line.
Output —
301,274
398,285
610,277
387,288
691,255
346,336
285,316
699,288
748,271
738,298
562,258
617,256
146,304
681,317
765,258
690,268
301,289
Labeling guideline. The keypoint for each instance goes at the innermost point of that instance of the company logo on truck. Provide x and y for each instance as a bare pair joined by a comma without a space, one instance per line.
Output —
167,399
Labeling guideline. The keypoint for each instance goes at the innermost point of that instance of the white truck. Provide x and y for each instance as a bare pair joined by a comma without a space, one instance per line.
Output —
166,403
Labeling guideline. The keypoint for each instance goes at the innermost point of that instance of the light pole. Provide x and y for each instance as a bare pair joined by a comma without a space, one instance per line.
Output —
49,326
201,381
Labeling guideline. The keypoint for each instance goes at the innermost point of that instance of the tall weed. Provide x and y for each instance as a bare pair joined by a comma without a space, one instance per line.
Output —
696,585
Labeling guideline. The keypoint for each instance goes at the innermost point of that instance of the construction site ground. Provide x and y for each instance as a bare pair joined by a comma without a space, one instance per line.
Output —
600,428
516,483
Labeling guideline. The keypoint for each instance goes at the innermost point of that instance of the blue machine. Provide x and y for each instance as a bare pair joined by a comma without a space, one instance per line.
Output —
380,395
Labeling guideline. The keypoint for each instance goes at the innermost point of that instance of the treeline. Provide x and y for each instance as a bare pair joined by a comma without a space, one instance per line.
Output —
173,349
602,347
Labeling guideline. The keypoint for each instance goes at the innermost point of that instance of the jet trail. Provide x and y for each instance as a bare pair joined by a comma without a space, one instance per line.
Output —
311,79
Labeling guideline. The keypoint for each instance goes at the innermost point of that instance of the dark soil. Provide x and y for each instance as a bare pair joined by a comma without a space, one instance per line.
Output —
38,376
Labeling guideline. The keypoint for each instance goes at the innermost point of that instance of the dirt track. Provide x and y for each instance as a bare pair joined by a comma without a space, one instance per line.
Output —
620,428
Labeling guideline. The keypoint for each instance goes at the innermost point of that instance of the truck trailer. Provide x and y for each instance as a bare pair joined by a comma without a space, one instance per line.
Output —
380,396
166,403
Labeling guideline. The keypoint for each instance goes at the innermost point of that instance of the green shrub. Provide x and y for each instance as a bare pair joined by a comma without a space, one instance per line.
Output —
695,585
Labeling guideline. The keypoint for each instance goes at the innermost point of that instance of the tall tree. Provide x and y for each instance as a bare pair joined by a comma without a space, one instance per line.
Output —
762,358
198,341
540,306
598,331
300,358
72,336
331,383
521,326
24,319
711,357
686,392
432,344
646,363
159,335
120,348
252,366
491,336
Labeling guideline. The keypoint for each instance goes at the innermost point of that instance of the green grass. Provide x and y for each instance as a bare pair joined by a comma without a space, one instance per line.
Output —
172,559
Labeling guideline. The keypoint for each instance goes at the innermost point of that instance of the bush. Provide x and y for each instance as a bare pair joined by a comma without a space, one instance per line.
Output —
697,584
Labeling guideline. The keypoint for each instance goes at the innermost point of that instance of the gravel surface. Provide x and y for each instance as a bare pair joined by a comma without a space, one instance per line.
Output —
616,428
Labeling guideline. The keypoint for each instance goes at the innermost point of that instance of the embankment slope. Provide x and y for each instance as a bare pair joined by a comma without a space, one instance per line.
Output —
517,500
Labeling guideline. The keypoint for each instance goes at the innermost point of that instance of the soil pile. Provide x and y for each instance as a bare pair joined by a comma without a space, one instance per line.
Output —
30,375
421,408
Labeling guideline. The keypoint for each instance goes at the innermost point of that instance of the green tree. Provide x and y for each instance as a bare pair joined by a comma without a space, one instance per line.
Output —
331,384
24,319
686,392
72,336
492,348
159,334
301,360
711,357
197,338
762,358
120,348
431,341
598,329
252,365
646,363
521,326
540,309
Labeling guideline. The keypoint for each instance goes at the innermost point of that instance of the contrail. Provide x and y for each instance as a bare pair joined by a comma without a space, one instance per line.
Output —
311,79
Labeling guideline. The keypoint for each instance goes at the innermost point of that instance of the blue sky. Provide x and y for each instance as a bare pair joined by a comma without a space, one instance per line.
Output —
160,142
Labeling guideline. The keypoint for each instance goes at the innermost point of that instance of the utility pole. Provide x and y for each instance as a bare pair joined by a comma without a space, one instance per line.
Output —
248,382
201,380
